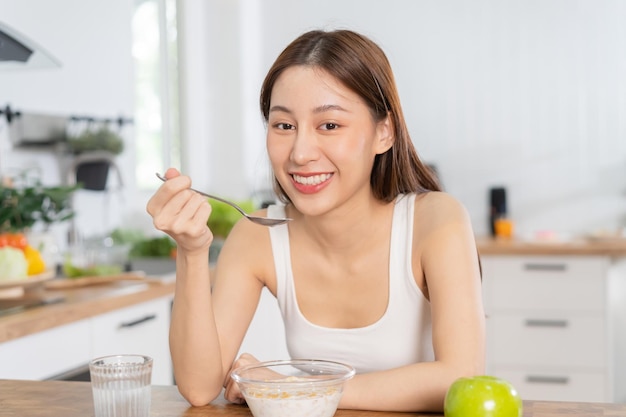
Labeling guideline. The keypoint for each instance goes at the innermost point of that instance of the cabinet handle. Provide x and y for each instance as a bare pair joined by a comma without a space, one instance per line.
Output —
138,321
545,267
543,379
546,323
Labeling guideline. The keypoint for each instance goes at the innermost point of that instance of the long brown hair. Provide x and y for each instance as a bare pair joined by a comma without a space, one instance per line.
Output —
362,66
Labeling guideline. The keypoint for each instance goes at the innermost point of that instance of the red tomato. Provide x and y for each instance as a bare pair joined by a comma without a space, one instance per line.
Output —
15,240
18,240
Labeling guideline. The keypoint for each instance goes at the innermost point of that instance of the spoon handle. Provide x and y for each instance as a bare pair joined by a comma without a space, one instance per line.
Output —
230,203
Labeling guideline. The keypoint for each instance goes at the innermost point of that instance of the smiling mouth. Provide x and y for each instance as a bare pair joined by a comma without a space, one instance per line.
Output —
311,180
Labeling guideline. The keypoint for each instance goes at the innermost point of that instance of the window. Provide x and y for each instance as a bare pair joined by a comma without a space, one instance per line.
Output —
155,54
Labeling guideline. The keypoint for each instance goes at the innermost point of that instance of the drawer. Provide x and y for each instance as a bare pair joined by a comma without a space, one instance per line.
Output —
558,386
141,329
544,283
46,354
530,340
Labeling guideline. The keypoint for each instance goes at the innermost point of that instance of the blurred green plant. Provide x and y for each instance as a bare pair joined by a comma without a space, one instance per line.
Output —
102,139
159,247
25,202
142,246
223,218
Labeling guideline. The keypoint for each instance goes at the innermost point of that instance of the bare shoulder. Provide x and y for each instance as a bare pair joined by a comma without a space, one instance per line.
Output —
437,208
440,219
442,231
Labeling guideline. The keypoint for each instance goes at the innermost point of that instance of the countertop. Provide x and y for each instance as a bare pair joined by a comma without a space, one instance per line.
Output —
74,399
78,304
612,247
81,303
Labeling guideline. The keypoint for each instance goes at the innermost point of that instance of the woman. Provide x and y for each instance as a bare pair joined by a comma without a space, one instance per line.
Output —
375,257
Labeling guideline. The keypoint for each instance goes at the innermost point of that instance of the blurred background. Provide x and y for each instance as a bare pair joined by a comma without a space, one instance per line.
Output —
529,96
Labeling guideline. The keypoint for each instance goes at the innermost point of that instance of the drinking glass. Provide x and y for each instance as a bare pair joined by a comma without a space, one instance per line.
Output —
121,385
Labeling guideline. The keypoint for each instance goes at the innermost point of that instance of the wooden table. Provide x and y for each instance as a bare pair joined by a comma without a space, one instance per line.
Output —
73,399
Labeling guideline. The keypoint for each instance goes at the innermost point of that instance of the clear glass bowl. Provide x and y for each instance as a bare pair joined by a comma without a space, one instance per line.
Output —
296,387
95,259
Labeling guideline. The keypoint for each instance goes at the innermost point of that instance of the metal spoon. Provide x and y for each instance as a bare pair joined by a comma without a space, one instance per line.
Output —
265,221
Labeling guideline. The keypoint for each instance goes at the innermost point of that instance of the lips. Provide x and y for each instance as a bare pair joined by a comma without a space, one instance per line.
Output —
310,184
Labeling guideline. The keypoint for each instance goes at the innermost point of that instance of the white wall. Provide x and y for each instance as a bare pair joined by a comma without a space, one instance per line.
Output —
92,39
524,94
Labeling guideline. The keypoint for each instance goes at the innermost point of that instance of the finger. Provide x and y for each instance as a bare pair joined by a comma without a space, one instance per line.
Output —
166,192
233,393
166,210
192,217
171,173
246,358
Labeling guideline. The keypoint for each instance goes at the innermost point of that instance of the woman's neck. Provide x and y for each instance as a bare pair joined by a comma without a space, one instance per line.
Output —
346,228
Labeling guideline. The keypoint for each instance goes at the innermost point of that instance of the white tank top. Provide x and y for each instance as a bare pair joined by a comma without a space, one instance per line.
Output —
400,337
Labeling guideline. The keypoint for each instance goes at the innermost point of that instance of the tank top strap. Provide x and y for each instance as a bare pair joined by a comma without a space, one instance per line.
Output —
279,237
401,245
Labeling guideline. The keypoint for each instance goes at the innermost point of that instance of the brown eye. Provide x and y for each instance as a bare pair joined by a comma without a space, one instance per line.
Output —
330,126
284,126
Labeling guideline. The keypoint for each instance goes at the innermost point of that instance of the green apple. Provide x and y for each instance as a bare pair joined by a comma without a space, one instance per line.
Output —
482,396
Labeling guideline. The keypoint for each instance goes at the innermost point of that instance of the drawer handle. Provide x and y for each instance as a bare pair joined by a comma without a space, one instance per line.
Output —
545,267
546,323
138,321
542,379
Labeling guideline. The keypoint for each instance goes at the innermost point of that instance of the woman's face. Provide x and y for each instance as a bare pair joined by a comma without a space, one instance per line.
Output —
322,140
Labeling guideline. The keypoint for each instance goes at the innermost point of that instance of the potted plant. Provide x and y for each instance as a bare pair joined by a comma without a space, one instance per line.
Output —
93,152
24,205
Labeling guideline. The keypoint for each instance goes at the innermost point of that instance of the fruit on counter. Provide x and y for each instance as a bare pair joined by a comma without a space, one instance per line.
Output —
15,240
482,396
13,264
36,264
223,217
19,252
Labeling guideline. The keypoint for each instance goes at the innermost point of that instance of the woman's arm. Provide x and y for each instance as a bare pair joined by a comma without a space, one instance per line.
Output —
444,252
208,326
206,329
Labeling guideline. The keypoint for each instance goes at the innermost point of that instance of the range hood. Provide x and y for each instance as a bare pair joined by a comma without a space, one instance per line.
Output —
19,52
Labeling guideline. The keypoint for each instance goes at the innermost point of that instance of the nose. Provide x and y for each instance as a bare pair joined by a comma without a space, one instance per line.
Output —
305,148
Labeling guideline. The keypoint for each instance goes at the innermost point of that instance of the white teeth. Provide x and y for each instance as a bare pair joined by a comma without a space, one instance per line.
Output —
312,180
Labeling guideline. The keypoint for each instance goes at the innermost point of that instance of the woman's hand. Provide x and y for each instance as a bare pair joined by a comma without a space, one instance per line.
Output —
181,213
232,392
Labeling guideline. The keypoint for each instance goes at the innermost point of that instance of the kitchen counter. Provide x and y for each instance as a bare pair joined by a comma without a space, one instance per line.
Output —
79,303
74,399
612,247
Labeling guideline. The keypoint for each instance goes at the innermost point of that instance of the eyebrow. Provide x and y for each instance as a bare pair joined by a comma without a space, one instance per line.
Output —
319,109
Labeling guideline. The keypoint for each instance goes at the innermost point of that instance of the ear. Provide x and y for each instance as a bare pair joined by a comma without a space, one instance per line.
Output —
385,136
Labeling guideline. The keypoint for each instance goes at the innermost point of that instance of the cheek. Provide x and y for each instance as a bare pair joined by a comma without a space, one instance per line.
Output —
358,148
277,150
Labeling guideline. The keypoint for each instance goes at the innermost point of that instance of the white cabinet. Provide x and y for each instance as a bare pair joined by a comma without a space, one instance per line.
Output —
48,353
547,326
141,328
